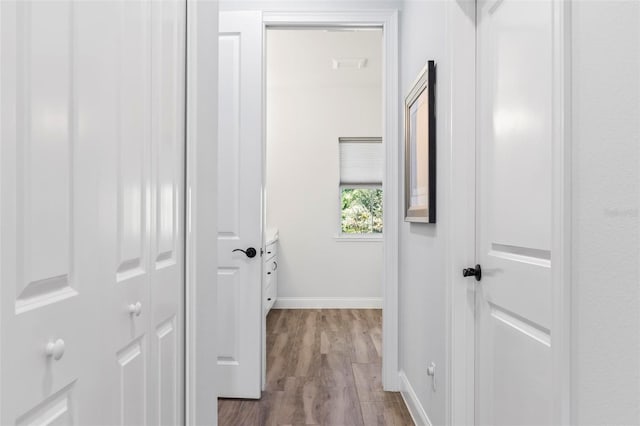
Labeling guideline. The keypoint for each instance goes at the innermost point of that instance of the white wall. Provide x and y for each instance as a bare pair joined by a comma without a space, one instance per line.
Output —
606,161
423,248
309,106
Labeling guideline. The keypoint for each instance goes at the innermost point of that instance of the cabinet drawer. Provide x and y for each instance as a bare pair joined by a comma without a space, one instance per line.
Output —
270,295
270,277
270,268
270,251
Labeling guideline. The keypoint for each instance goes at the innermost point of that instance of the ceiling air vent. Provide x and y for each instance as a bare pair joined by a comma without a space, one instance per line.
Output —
341,63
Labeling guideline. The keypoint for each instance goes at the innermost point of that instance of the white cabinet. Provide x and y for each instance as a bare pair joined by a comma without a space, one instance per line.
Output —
270,274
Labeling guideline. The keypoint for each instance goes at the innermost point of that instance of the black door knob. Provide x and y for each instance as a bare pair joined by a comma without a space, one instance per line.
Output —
473,272
250,252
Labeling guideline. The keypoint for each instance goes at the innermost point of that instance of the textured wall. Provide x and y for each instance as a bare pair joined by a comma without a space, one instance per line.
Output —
606,160
423,247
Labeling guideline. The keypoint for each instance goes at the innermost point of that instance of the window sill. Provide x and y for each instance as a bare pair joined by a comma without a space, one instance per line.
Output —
359,238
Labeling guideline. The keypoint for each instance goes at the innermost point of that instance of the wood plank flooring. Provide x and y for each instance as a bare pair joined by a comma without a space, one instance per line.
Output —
323,368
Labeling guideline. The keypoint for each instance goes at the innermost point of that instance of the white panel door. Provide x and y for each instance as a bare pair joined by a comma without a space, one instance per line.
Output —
91,212
127,216
166,314
144,214
513,299
239,204
49,219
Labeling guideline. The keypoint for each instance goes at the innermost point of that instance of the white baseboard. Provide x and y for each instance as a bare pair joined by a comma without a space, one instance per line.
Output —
328,303
416,409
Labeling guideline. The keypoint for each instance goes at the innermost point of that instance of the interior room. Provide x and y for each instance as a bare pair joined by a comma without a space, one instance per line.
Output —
323,148
310,212
324,169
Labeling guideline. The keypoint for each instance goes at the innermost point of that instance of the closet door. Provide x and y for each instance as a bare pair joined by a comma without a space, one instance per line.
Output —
166,314
51,245
127,216
91,217
144,216
514,334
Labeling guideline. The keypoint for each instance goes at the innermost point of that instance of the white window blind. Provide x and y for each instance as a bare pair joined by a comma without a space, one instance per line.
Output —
361,161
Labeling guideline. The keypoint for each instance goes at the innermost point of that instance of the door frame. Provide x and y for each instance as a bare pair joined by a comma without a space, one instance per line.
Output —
461,311
461,182
561,194
388,21
201,132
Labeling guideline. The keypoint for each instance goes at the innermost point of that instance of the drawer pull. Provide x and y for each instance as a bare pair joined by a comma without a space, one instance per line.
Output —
269,299
275,265
268,273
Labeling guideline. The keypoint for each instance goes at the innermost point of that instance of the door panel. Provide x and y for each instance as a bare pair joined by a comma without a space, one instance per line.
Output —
168,130
132,390
43,288
513,300
129,180
167,356
167,217
240,201
229,118
55,410
43,125
229,287
91,184
133,141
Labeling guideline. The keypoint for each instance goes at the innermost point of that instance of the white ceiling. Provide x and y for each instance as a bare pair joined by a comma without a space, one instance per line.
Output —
304,58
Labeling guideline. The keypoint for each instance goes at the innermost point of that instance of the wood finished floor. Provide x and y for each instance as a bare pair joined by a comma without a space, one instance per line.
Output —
323,368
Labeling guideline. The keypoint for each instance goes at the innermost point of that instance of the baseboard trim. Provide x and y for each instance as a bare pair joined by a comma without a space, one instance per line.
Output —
328,303
416,409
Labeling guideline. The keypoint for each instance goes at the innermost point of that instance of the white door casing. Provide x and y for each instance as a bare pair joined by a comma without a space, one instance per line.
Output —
201,213
514,172
239,207
387,19
91,212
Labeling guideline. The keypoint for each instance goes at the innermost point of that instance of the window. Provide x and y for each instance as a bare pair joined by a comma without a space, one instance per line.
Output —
361,170
361,210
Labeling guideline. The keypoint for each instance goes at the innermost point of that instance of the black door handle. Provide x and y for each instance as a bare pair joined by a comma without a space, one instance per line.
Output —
473,272
250,252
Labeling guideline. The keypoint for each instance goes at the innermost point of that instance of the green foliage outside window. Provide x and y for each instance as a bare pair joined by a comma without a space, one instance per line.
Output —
361,210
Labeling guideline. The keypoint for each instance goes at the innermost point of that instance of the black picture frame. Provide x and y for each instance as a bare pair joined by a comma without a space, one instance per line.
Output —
420,148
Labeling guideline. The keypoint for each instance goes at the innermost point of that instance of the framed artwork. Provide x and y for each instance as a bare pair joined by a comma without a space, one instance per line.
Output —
420,148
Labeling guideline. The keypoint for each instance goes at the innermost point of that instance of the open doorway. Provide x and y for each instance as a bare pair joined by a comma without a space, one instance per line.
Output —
324,165
323,274
242,299
323,195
